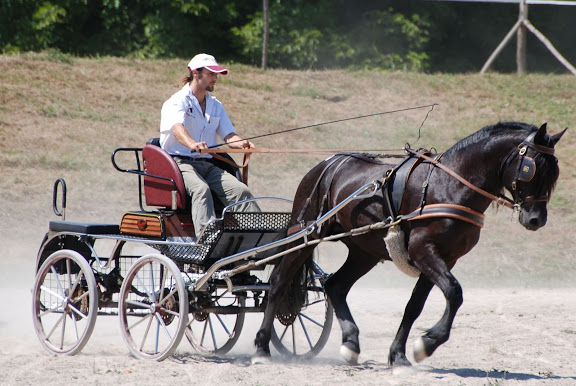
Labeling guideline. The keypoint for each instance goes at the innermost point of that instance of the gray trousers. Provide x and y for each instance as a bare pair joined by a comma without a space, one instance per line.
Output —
201,178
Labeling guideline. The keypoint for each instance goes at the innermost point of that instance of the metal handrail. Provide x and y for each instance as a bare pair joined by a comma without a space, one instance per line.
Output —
141,173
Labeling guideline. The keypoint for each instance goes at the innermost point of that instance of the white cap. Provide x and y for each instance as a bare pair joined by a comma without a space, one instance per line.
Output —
206,61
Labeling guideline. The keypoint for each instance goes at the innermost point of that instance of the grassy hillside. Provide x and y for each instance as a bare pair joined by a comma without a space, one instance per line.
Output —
63,117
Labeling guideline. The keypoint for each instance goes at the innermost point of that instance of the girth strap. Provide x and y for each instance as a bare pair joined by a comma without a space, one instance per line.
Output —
455,211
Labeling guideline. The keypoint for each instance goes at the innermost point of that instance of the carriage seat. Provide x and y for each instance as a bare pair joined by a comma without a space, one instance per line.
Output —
84,227
161,192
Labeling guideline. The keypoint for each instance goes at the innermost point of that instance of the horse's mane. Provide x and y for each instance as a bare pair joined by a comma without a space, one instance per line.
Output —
500,129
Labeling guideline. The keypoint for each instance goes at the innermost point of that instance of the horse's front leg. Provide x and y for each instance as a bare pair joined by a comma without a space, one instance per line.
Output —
440,333
397,355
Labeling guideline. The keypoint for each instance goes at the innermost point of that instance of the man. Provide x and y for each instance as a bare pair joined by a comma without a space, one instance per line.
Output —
191,120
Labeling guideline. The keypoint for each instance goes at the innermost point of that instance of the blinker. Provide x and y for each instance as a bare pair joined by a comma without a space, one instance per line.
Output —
527,169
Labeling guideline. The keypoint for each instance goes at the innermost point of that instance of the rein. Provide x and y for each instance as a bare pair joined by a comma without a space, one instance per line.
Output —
248,152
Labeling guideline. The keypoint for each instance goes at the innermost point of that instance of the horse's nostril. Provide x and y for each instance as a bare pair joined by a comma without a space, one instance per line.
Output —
536,222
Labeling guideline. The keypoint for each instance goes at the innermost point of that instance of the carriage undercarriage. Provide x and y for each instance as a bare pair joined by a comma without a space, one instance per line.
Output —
163,288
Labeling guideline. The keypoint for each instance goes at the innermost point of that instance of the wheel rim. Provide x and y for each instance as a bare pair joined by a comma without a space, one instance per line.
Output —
153,307
65,302
310,330
217,332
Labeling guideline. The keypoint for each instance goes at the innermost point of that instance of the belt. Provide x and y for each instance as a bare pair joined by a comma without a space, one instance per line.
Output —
195,159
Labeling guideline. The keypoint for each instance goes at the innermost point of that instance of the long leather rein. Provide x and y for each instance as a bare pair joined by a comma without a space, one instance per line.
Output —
427,211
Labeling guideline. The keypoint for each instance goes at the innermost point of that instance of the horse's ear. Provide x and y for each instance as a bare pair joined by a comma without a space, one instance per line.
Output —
556,137
540,134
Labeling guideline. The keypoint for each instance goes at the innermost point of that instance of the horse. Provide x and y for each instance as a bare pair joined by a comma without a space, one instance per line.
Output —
438,206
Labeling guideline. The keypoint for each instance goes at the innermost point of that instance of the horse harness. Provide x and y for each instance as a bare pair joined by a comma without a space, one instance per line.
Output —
393,185
525,172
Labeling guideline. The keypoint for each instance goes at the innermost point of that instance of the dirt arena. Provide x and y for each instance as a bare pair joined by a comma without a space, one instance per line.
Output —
512,335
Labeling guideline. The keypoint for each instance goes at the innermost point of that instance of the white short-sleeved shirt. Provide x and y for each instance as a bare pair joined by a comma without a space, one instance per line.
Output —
184,108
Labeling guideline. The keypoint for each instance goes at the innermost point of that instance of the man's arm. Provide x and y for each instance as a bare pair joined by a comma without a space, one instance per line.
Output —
185,139
234,141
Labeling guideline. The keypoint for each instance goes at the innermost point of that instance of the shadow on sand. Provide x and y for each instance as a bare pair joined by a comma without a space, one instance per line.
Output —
497,374
245,361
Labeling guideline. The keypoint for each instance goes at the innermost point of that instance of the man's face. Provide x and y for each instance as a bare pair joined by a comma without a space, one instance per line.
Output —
207,79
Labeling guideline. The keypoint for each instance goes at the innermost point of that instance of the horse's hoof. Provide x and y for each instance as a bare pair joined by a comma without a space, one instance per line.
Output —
260,360
420,350
349,356
403,370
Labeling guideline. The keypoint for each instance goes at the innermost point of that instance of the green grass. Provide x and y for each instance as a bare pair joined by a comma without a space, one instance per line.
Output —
62,116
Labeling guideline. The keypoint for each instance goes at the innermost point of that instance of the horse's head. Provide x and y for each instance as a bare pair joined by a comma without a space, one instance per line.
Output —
530,176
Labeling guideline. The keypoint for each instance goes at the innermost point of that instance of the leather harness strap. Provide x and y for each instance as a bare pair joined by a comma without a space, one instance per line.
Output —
455,211
502,200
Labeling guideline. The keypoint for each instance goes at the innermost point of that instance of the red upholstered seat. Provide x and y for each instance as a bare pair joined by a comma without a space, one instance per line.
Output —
159,192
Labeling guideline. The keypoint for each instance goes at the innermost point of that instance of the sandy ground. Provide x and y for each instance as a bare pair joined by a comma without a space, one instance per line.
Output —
501,336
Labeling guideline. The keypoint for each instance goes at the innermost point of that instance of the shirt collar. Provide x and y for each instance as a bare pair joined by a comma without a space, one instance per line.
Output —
189,93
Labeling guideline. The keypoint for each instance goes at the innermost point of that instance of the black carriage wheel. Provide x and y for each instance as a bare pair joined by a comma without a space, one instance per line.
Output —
213,332
65,302
305,335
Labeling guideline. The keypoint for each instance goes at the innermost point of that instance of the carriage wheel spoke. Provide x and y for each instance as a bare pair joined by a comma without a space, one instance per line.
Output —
204,332
46,289
63,331
76,311
143,319
144,287
62,317
165,298
174,313
145,335
284,333
223,324
311,320
212,333
305,331
137,304
293,339
75,324
163,325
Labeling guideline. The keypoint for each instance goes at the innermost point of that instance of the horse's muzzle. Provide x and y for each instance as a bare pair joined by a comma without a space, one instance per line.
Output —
534,218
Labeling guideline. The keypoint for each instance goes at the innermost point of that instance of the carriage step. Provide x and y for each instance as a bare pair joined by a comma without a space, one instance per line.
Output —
88,228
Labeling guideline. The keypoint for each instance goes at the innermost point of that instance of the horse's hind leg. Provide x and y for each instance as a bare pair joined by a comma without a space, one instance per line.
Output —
337,288
280,282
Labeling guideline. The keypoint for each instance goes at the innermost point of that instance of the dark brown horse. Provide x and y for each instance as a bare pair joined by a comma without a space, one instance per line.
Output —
441,222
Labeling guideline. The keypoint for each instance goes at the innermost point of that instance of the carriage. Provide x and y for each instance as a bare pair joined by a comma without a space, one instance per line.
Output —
163,281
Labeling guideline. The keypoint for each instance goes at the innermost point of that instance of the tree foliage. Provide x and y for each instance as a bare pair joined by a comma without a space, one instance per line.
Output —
396,34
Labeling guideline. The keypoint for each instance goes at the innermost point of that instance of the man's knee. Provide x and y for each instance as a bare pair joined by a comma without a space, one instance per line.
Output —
243,191
198,190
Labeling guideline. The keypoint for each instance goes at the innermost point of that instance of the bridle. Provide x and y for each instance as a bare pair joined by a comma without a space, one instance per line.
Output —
525,172
526,169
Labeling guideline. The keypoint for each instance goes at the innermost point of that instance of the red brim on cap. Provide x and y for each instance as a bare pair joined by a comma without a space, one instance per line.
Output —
217,69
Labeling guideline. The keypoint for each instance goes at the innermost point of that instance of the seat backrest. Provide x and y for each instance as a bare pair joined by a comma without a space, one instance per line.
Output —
159,192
